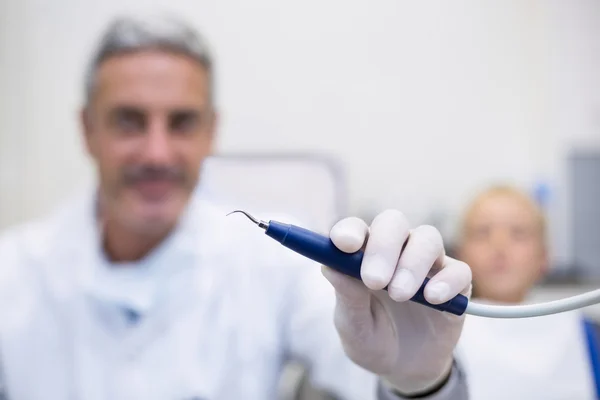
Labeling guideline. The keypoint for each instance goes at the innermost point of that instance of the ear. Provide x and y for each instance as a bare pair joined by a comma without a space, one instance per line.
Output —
85,120
458,251
544,263
214,122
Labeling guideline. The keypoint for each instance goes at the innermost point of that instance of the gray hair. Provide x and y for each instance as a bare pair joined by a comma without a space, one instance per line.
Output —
128,34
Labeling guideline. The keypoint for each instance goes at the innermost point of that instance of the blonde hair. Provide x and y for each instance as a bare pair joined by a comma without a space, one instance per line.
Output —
512,192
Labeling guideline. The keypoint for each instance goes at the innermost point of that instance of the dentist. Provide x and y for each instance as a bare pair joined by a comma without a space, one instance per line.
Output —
138,290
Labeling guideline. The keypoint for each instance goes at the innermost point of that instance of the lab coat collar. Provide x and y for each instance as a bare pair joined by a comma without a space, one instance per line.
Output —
76,243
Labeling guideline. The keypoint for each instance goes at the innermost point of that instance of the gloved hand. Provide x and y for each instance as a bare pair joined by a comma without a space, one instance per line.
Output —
407,344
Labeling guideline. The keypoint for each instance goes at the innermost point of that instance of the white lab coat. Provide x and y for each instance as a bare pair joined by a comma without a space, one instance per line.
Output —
523,359
222,307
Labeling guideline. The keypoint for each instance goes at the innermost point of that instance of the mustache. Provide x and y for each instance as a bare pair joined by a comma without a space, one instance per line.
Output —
140,173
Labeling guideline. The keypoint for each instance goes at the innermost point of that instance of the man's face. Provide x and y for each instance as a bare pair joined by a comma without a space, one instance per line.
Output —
148,127
504,247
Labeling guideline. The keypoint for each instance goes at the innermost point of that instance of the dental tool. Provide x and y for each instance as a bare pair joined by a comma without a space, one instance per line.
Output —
321,249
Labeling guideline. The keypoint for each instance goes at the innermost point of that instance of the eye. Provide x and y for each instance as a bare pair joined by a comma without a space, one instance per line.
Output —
128,120
480,232
520,233
184,122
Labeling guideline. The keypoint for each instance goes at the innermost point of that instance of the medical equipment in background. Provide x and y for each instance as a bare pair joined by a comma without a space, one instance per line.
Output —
319,248
276,184
584,196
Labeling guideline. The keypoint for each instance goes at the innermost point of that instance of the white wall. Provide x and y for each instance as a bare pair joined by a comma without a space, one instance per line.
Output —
421,100
572,49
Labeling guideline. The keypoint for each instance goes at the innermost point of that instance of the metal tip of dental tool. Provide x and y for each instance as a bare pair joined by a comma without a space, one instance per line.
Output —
250,217
261,224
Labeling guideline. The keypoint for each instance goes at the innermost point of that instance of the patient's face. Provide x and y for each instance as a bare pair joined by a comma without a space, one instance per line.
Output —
149,127
503,245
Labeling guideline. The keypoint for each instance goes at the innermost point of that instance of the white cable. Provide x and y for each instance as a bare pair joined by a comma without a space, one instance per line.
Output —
535,310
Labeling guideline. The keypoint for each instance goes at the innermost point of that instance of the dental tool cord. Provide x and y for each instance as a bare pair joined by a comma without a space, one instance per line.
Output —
534,310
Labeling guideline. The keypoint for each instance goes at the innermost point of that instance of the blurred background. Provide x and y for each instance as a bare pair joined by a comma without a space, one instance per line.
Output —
417,104
345,107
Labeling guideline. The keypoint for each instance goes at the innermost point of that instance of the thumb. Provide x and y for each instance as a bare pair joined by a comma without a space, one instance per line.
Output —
350,291
353,306
357,323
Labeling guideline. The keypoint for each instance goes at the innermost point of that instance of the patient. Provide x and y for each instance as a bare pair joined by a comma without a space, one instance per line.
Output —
503,239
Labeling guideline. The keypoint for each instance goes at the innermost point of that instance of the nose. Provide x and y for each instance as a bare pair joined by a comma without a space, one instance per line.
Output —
158,149
499,240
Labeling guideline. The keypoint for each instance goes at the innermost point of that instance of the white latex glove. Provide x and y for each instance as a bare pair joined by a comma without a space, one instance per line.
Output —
407,344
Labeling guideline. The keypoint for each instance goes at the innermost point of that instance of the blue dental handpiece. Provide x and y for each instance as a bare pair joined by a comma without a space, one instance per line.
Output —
321,249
